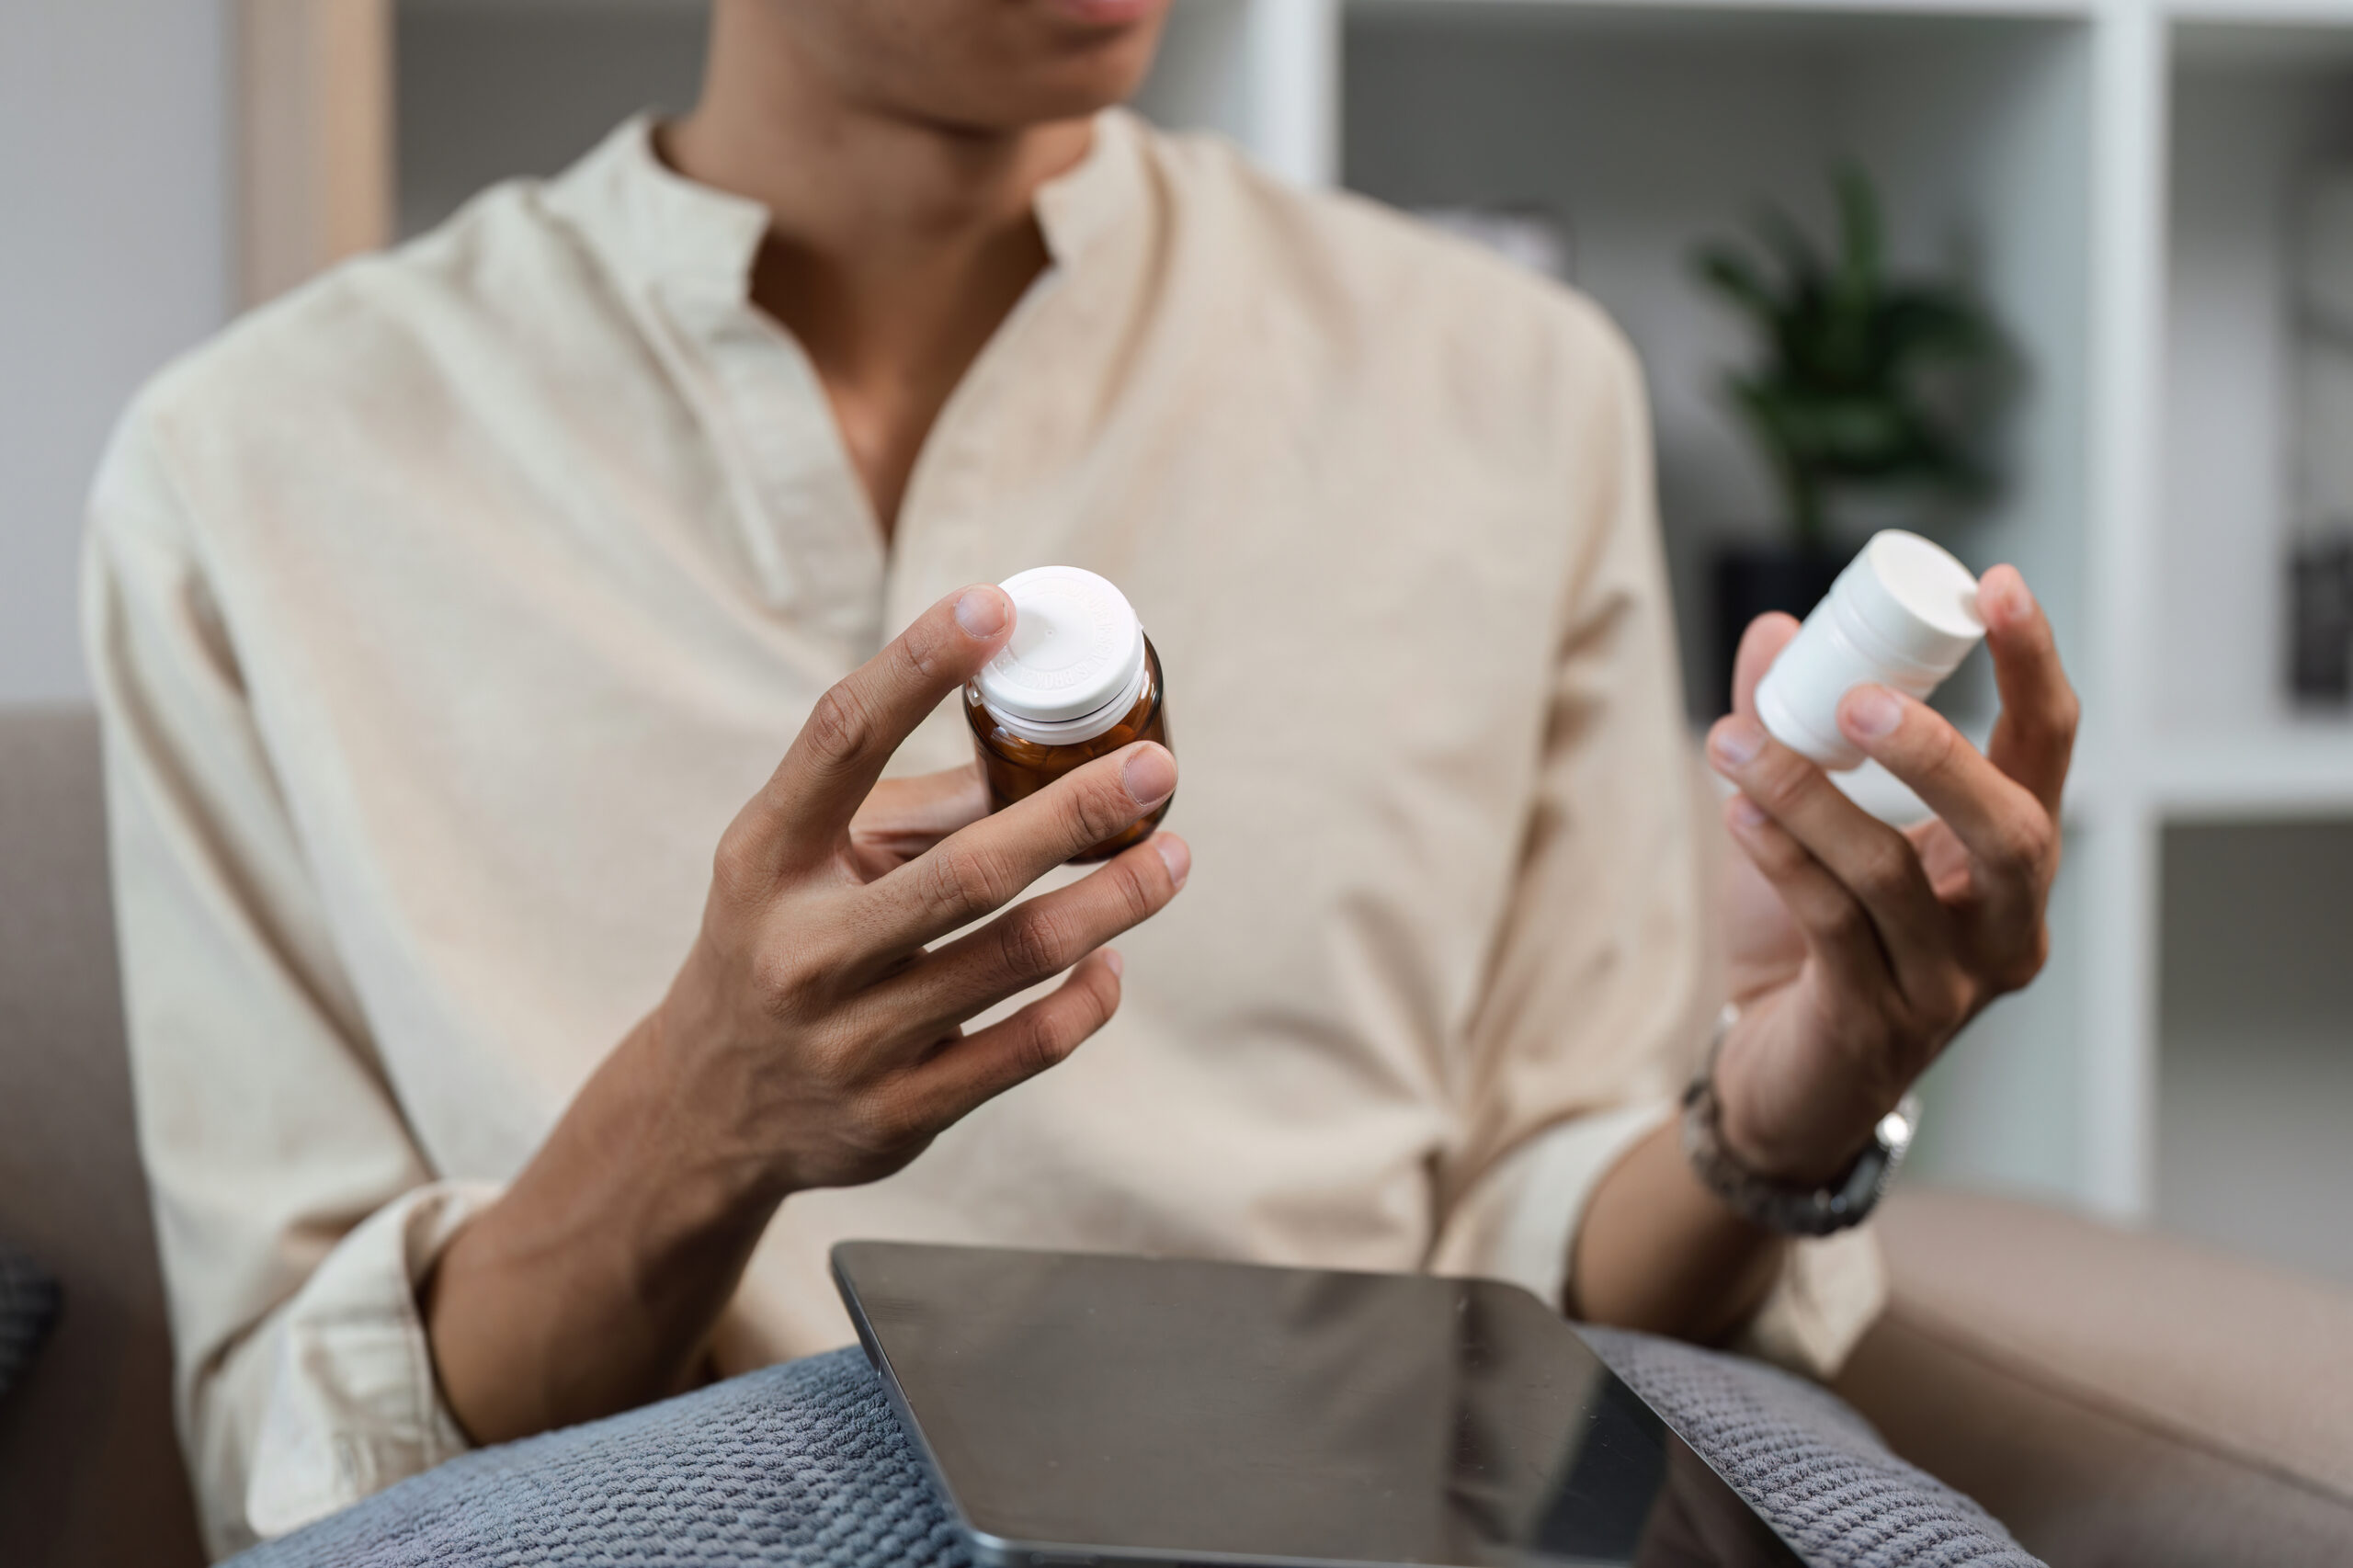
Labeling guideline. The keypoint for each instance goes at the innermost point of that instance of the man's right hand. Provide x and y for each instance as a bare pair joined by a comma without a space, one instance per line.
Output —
813,1030
812,1037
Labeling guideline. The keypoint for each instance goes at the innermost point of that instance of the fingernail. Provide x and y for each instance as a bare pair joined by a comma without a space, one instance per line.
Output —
2014,601
1746,813
1175,856
981,611
1736,741
1114,962
1871,712
1151,775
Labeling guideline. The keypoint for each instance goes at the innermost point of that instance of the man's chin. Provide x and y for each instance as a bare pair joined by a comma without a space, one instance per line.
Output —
1108,13
1075,87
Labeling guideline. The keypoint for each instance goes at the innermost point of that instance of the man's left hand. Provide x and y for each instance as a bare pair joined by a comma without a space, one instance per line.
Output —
1859,951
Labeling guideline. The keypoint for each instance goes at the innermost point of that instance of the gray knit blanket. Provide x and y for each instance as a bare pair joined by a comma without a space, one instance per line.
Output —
803,1464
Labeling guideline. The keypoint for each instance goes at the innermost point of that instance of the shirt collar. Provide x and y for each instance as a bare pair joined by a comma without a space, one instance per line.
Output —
653,225
658,227
1078,207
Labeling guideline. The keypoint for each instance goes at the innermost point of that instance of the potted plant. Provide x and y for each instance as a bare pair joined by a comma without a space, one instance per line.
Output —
1862,383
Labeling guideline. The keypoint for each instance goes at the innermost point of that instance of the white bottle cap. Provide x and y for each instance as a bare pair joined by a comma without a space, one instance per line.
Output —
1904,614
1919,601
1076,662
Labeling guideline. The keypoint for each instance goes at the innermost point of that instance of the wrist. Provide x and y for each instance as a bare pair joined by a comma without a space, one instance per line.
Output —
1815,1197
593,1282
685,1133
1811,1161
1804,1135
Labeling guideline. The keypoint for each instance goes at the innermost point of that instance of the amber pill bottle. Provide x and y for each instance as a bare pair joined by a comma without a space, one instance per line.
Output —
1078,680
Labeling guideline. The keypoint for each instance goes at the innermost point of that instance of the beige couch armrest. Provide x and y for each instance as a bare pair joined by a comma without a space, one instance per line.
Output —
89,1470
2113,1397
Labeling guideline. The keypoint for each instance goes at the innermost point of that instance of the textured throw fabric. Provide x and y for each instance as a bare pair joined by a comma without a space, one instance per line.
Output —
1808,1462
803,1464
27,1306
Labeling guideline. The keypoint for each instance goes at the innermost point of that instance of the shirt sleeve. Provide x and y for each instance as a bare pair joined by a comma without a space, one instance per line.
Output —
294,1212
1600,985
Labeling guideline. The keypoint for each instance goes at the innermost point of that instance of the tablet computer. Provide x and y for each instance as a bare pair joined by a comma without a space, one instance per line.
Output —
1082,1409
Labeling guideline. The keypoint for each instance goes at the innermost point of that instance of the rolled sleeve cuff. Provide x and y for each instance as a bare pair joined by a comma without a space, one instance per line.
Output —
1831,1289
353,1404
1521,1223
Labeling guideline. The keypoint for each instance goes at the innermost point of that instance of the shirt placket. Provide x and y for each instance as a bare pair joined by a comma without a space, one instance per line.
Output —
936,545
810,534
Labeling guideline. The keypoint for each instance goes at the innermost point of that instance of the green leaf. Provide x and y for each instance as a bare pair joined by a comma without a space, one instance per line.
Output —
1731,276
1858,231
1790,246
1860,380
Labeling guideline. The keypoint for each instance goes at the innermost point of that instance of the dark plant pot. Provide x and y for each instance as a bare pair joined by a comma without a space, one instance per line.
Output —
1752,579
2320,598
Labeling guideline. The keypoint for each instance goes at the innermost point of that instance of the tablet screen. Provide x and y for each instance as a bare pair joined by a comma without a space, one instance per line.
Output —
1087,1408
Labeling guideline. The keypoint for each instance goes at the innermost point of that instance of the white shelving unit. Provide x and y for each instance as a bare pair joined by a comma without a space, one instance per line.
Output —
2015,141
2256,1077
2111,174
2253,1051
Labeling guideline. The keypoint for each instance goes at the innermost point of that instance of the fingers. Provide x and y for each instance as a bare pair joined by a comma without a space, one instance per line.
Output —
2007,831
858,724
1035,941
2035,736
979,1067
1836,926
1874,862
1760,646
903,817
984,867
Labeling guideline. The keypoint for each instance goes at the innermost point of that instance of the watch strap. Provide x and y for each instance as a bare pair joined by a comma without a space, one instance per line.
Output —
1777,1205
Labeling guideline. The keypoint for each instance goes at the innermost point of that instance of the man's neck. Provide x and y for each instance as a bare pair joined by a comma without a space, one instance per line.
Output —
896,244
844,178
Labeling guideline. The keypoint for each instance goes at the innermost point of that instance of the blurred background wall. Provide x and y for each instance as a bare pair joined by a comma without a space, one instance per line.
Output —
115,220
2138,193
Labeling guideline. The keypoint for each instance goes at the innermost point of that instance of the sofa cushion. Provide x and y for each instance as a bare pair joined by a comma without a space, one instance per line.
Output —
2113,1396
90,1473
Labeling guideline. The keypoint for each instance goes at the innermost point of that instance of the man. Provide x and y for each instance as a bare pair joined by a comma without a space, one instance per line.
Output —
450,616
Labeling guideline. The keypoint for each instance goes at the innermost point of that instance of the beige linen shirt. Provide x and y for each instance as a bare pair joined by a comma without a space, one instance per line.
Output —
444,613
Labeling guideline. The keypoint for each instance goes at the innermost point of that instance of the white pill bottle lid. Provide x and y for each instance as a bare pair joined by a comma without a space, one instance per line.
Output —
1076,662
1902,614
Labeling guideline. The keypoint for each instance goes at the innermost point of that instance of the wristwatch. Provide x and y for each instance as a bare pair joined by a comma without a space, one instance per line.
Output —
1776,1205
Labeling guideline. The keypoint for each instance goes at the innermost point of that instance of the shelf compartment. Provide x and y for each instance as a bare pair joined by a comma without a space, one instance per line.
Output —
2256,109
1646,130
2255,1041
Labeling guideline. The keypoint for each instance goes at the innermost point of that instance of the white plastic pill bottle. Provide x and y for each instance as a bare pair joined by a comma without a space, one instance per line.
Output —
1904,613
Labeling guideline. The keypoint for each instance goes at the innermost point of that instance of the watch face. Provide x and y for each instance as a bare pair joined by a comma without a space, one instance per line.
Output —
1897,1127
